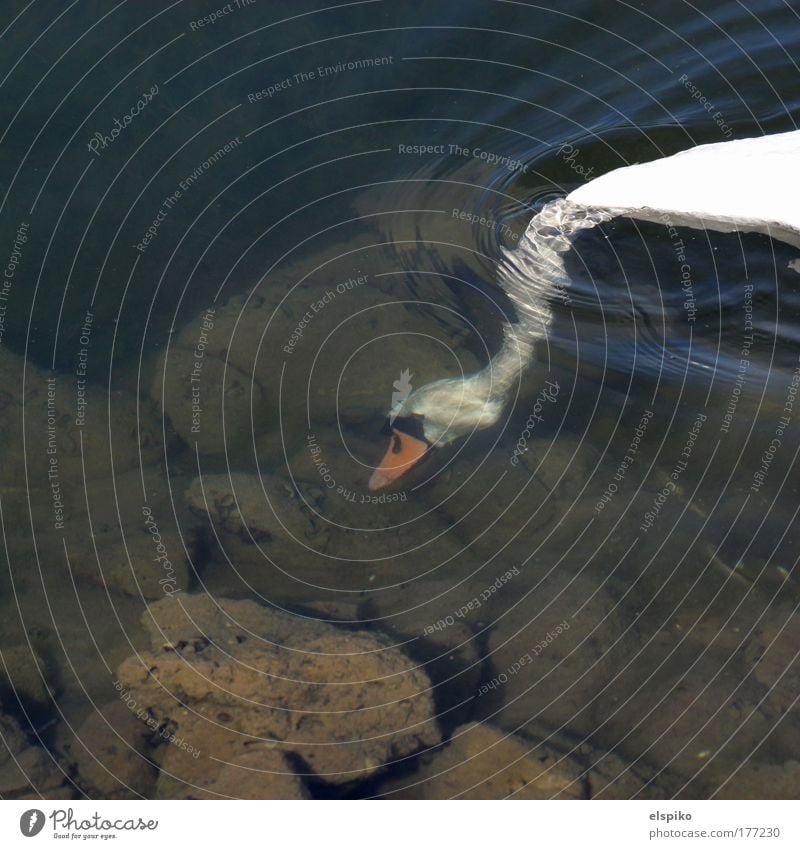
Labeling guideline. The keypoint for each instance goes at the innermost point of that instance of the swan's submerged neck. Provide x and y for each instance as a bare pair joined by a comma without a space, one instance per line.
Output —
532,275
496,381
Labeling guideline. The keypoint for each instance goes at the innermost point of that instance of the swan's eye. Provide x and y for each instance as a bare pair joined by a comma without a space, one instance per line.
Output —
413,425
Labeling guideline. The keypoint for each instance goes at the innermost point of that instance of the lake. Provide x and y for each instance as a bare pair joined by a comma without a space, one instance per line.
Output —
236,237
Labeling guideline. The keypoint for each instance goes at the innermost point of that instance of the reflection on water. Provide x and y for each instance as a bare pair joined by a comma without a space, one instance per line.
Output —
205,321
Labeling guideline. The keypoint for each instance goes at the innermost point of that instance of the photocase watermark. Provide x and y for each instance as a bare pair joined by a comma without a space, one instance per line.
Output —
685,268
626,462
319,305
222,12
766,461
744,360
65,826
482,221
168,582
52,456
183,186
678,469
570,154
548,395
402,389
495,159
32,822
206,327
162,729
499,160
318,73
10,272
562,292
80,371
716,115
322,467
100,141
780,429
329,481
473,604
524,660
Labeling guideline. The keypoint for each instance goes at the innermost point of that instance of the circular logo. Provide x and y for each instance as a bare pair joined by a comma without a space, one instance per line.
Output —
31,822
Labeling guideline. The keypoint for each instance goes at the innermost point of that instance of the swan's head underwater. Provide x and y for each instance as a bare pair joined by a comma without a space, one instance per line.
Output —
431,417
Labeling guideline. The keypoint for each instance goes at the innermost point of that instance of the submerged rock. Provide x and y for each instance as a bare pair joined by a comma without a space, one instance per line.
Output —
772,654
521,500
482,762
112,754
255,508
242,768
72,425
28,771
140,564
231,679
552,655
697,726
22,676
763,781
212,410
291,540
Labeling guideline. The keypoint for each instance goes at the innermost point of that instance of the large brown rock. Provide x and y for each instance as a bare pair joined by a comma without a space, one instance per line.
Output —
231,677
242,769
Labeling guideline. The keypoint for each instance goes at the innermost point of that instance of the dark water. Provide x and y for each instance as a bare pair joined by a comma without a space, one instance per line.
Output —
312,180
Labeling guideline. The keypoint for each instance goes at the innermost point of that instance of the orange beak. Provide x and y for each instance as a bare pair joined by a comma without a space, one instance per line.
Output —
404,452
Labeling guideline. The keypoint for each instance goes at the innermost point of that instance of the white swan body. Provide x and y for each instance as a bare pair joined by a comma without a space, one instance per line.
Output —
750,185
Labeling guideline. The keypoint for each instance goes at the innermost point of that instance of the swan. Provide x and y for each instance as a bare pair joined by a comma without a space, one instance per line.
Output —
750,184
